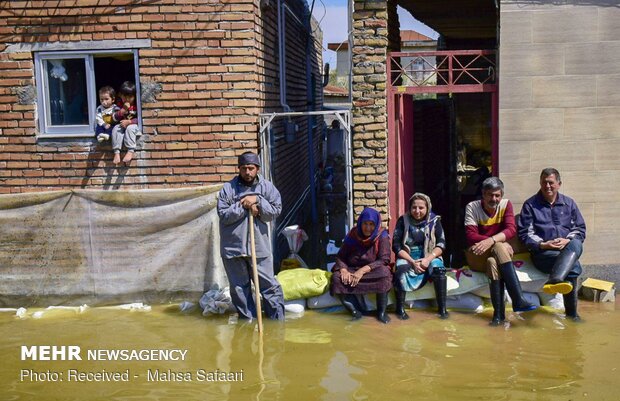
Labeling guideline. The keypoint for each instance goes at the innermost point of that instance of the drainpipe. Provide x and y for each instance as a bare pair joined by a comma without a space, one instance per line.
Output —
310,95
282,55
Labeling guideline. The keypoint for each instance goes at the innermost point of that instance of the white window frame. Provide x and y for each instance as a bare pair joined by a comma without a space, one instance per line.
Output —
47,130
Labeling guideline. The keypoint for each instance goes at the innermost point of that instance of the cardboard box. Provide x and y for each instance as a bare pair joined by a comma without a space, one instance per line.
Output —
598,290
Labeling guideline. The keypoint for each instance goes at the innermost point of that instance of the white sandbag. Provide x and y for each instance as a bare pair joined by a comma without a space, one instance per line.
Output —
555,301
531,279
133,307
458,282
324,300
465,302
419,304
525,269
483,292
526,286
370,300
295,305
534,285
530,297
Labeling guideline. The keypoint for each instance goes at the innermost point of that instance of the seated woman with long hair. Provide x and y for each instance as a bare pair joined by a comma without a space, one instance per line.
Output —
418,244
362,265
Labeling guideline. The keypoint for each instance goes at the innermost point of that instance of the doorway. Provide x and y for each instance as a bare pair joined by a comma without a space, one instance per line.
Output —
442,140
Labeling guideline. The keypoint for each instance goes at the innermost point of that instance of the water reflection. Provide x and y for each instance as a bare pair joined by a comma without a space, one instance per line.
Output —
541,356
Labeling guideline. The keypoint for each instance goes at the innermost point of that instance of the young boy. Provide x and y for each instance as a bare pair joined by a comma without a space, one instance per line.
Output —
105,112
127,118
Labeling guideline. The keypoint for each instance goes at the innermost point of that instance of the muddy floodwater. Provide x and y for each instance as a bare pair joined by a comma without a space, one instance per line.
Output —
169,355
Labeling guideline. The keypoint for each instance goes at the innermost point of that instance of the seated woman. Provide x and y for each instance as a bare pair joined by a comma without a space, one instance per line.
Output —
418,244
362,265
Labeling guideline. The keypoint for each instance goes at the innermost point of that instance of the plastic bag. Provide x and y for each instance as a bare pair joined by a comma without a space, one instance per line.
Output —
295,238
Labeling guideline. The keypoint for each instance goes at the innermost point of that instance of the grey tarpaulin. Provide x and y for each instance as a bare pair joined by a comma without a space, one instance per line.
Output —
98,247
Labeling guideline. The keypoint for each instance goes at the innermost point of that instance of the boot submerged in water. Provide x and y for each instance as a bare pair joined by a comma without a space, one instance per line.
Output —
349,302
496,288
570,301
400,304
441,289
381,307
509,276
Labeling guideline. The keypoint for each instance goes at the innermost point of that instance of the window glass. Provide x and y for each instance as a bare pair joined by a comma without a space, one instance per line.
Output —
67,92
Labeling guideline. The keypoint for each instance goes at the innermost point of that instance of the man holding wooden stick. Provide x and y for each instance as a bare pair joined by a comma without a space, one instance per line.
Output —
249,193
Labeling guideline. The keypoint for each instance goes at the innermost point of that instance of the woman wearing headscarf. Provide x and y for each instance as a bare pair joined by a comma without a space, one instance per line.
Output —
418,244
362,265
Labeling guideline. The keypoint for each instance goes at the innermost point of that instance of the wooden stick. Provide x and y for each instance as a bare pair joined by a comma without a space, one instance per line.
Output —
259,314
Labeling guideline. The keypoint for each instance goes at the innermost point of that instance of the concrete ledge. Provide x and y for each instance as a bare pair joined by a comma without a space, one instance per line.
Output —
82,45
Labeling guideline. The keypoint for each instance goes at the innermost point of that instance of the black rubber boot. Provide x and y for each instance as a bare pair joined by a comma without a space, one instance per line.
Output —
497,299
381,307
440,282
509,276
570,301
557,279
400,304
349,303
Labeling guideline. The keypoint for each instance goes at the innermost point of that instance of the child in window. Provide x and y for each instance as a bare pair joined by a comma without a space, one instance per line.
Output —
127,118
105,113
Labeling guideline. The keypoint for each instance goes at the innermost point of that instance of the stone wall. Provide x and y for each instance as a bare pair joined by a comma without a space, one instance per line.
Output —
559,107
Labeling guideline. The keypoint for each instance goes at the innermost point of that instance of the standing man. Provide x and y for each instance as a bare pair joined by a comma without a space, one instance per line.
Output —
553,230
249,193
489,225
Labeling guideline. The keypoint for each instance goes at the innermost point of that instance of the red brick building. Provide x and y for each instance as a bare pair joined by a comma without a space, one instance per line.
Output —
205,71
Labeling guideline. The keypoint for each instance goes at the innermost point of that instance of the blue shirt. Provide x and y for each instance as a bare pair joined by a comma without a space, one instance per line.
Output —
541,221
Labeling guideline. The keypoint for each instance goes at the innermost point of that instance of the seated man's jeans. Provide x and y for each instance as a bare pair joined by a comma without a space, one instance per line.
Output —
544,259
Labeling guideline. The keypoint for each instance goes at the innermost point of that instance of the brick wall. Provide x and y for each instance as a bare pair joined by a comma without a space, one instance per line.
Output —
206,55
290,160
370,46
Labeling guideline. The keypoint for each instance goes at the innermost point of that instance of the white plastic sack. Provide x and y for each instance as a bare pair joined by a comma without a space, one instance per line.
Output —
556,301
295,238
465,302
458,282
534,285
324,300
295,306
530,297
370,300
133,307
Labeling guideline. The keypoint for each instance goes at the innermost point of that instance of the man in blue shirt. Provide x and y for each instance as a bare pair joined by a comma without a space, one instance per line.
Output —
553,229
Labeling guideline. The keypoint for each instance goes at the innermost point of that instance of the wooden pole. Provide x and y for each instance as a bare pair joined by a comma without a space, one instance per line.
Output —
259,314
